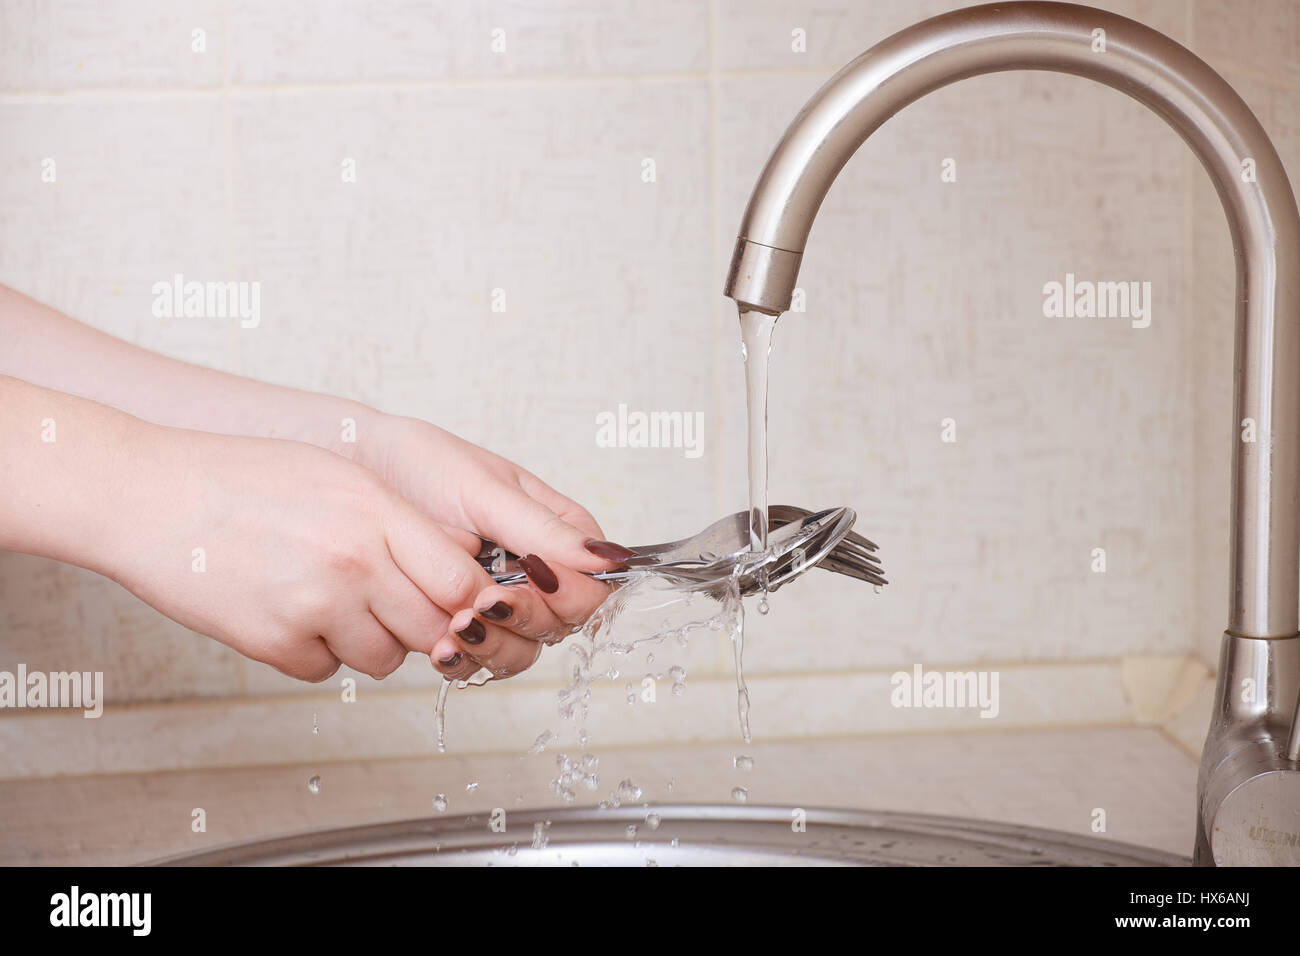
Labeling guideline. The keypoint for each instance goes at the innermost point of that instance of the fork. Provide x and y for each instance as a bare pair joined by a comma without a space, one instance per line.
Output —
792,549
851,555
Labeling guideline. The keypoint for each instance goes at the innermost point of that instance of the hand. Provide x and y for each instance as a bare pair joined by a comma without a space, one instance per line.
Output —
461,485
289,554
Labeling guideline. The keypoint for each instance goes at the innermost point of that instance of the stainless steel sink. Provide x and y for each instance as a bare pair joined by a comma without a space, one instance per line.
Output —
698,835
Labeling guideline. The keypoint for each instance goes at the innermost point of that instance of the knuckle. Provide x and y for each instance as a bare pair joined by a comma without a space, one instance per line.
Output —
462,586
390,664
343,559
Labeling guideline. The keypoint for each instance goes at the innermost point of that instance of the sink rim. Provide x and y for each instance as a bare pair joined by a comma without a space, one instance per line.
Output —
707,834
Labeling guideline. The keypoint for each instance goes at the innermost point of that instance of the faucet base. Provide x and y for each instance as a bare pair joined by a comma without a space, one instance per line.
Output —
1258,824
1249,789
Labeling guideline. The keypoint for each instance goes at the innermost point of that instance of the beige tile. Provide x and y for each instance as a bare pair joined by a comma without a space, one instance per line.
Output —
1260,36
139,195
1051,779
74,44
339,42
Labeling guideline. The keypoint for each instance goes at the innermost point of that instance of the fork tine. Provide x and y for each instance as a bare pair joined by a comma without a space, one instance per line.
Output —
850,569
852,550
788,513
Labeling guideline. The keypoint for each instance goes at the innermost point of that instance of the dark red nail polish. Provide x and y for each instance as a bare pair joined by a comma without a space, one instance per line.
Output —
609,550
539,573
473,632
451,661
497,612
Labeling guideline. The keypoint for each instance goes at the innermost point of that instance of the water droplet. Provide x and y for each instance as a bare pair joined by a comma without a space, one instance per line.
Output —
649,658
763,606
739,794
877,588
314,784
471,787
440,803
513,849
315,726
544,738
653,820
677,673
540,838
628,791
743,762
631,831
679,689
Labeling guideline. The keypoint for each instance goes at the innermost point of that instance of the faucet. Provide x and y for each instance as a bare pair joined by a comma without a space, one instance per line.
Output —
1248,788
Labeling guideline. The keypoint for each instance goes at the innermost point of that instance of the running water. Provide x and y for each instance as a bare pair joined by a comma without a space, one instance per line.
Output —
755,348
481,676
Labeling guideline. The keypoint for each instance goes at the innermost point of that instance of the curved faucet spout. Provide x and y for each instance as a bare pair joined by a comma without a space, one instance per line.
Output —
1215,123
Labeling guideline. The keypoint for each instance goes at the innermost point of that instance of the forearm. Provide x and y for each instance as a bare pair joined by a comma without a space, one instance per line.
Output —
49,349
68,475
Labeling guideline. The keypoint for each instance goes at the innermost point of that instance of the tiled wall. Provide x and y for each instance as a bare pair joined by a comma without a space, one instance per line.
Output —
522,170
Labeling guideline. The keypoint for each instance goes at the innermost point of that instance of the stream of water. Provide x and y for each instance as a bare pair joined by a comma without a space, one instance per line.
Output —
756,349
652,608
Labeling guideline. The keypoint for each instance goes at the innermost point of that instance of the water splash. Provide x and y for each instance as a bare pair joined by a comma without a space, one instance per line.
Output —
541,831
313,784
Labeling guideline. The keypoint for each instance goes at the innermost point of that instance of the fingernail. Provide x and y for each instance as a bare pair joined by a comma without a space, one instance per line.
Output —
451,661
539,573
473,632
497,612
608,550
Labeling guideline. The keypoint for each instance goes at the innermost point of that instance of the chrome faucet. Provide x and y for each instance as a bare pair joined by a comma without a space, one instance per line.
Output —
1248,799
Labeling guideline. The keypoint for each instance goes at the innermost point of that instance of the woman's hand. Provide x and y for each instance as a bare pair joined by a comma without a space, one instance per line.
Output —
461,485
291,533
287,553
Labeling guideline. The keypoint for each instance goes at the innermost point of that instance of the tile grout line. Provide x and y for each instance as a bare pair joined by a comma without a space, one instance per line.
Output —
549,687
256,89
